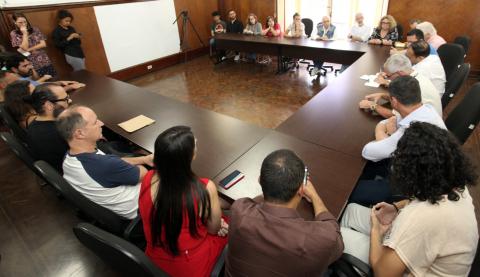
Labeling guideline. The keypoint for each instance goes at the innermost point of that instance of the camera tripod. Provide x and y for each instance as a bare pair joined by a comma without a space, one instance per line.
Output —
184,47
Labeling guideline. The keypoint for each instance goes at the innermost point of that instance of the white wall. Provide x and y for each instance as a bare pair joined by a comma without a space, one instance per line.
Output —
136,33
20,3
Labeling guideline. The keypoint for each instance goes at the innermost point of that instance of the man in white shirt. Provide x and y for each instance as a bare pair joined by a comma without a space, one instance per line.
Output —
107,180
405,98
360,32
395,66
426,64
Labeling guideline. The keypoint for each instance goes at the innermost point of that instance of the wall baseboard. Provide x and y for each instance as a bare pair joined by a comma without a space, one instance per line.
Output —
155,65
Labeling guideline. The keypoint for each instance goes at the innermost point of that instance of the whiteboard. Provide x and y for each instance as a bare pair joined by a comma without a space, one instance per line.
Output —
136,33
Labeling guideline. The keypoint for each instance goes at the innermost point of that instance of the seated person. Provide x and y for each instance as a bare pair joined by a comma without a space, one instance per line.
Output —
435,232
359,32
20,65
272,29
15,105
6,78
413,35
430,34
107,180
405,98
234,26
413,23
325,31
181,213
253,27
269,237
386,32
427,65
297,28
48,100
218,27
395,66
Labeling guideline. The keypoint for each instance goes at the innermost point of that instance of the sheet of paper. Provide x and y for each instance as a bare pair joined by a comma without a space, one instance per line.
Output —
372,84
136,123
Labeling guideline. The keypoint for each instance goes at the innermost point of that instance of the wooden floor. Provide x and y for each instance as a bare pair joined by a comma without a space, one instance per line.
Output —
36,227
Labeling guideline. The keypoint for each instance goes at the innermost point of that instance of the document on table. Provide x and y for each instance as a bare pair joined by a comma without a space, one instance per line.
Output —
136,123
370,80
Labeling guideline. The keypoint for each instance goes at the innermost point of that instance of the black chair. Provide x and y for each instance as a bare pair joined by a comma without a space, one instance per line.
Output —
121,255
12,124
21,151
464,41
400,32
350,266
219,268
452,56
458,78
107,219
308,26
466,115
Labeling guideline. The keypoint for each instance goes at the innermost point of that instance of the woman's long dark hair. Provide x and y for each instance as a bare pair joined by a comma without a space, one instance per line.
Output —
179,188
429,164
15,16
15,95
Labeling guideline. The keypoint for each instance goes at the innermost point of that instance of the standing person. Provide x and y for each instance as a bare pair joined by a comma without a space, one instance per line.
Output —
32,43
359,32
430,34
272,29
234,26
181,213
69,41
297,28
386,32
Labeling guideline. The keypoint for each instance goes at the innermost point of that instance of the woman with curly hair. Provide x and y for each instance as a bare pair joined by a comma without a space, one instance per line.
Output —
434,231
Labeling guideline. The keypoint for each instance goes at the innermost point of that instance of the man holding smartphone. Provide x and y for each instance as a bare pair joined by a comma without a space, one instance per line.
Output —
270,238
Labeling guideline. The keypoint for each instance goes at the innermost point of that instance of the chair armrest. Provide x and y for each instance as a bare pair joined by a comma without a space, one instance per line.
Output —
220,264
357,263
134,229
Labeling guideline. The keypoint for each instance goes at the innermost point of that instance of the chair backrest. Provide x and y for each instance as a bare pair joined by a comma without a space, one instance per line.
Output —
20,150
12,124
458,77
400,32
452,56
121,255
464,41
105,217
308,26
466,115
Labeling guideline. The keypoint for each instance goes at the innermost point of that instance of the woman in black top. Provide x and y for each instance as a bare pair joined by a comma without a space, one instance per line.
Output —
68,40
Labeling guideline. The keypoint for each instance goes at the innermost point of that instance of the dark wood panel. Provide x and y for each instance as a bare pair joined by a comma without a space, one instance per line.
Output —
451,18
261,9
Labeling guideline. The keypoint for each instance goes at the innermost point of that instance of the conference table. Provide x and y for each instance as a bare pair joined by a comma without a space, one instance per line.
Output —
328,132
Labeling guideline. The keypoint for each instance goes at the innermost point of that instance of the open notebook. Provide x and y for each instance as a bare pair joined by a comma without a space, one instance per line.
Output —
136,123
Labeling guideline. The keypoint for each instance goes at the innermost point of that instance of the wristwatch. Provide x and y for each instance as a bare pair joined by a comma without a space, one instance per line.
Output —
373,106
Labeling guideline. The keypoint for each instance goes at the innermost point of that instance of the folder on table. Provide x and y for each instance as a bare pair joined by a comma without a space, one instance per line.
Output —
136,123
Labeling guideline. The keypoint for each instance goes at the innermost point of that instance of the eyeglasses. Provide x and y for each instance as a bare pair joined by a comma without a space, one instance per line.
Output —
66,99
386,22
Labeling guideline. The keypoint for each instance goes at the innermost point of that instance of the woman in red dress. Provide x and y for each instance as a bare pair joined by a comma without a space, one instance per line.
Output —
181,213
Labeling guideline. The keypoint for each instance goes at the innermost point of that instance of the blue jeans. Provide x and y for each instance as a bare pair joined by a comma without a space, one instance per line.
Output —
75,63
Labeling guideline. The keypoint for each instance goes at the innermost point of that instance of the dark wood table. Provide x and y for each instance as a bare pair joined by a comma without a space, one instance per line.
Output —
221,139
333,174
328,132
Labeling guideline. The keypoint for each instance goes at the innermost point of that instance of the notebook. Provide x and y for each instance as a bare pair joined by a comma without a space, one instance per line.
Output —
136,123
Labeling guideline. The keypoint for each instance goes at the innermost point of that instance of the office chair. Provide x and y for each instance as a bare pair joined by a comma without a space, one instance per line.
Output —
219,268
22,153
452,56
400,32
466,115
130,229
121,255
464,41
12,124
453,85
350,266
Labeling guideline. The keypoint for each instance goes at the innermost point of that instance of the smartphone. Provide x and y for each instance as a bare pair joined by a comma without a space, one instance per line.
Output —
231,179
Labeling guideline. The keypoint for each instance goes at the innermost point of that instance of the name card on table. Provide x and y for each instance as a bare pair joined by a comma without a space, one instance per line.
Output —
136,123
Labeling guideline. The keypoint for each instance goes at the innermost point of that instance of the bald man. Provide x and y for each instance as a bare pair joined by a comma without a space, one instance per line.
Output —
360,32
325,31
